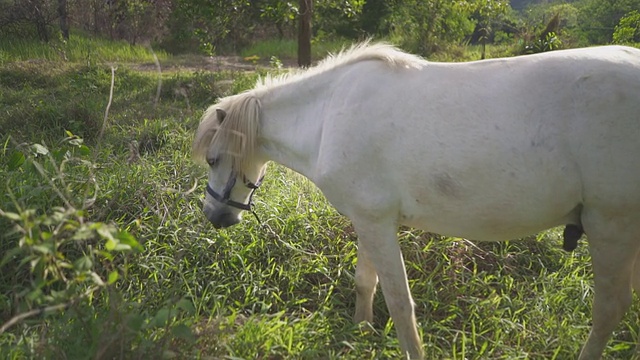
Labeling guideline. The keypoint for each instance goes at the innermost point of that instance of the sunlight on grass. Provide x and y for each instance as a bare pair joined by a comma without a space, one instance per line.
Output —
288,49
79,48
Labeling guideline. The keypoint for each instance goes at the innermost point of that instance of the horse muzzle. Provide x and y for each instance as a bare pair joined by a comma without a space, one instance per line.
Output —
221,219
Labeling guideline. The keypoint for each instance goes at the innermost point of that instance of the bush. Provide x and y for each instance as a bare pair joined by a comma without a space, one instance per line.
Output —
628,29
550,42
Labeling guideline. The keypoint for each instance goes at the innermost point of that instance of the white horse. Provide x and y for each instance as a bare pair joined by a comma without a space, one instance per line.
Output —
488,150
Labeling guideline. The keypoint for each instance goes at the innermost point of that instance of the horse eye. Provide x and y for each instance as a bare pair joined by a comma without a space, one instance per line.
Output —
212,161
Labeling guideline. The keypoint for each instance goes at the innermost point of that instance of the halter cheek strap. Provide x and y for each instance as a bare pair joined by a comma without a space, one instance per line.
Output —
225,198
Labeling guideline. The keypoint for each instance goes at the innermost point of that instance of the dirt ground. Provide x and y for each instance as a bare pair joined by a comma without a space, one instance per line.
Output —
209,63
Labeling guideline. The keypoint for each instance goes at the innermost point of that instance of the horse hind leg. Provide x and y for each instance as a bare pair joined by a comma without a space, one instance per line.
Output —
614,248
366,282
378,242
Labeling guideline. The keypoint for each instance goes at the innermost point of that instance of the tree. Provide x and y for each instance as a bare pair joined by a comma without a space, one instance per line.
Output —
486,12
38,12
304,32
424,26
64,21
628,29
598,18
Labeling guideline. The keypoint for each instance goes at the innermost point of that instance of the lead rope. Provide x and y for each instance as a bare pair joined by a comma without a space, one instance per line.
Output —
253,188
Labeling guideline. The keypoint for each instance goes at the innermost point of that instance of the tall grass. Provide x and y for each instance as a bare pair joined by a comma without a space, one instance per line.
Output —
79,49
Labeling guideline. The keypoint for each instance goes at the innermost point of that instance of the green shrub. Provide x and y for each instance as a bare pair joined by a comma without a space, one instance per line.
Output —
550,42
628,29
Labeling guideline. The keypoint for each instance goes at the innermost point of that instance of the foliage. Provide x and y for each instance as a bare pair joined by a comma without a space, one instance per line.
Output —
563,18
550,42
598,18
428,26
628,29
57,256
227,26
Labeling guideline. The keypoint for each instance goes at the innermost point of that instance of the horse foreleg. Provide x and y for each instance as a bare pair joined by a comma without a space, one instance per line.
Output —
366,282
379,244
613,255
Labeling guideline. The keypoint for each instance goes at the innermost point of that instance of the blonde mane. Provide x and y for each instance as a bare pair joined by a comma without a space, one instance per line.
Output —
391,55
237,134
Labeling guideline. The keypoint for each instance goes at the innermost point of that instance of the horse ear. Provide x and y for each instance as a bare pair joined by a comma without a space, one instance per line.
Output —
221,115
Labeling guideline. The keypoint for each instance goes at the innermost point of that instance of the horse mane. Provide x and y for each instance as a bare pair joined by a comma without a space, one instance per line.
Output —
380,51
237,134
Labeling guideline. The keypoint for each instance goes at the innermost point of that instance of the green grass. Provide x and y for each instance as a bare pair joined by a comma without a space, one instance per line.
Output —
282,289
78,49
287,49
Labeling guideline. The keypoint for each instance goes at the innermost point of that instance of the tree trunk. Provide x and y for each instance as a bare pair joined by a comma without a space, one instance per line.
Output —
304,33
39,19
96,18
64,21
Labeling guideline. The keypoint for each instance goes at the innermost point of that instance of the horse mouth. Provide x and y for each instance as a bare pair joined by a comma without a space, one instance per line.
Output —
224,220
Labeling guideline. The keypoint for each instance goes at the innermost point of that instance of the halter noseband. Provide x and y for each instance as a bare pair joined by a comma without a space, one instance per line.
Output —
225,198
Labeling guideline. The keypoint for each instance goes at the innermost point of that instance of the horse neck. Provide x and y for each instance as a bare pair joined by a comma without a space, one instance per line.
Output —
291,125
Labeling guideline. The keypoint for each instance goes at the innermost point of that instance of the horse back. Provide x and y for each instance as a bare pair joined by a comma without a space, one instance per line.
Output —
515,144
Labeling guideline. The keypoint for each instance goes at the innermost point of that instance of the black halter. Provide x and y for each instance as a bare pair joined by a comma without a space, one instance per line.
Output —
225,198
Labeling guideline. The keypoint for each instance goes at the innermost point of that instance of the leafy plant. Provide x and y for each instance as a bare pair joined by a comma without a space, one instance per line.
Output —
58,256
628,29
550,42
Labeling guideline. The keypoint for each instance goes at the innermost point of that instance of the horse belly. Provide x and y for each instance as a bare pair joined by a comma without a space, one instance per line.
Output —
494,205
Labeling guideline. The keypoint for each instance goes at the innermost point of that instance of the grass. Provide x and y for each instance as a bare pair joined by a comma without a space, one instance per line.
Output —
78,49
282,289
287,49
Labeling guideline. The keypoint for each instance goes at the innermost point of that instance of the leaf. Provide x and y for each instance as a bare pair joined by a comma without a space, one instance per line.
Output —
9,255
84,233
39,149
84,150
161,318
126,238
96,279
83,264
107,255
13,216
122,247
42,249
113,277
135,322
111,244
182,331
103,230
76,141
186,305
16,160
